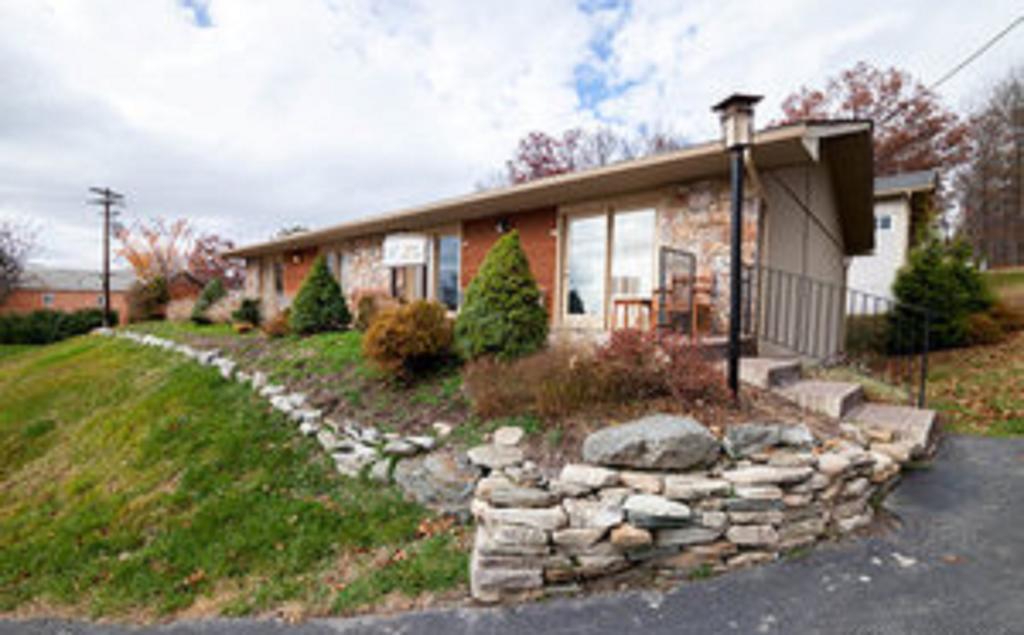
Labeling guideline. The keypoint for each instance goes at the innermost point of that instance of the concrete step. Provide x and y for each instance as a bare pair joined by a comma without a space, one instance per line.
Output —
914,427
769,372
834,399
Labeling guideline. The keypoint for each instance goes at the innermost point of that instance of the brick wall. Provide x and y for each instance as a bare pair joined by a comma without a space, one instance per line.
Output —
296,265
27,300
537,235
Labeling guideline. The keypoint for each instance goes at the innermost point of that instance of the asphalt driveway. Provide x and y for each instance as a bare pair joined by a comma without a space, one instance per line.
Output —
955,566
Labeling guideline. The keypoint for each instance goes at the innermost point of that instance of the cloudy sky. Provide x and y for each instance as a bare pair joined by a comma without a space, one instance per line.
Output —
248,115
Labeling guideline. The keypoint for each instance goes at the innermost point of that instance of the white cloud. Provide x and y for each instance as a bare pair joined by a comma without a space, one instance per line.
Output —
316,111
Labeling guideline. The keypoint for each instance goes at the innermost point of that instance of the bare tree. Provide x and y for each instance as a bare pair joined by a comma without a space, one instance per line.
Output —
991,187
16,243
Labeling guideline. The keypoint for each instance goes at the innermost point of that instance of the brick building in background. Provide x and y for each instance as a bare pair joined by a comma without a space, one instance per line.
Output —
68,290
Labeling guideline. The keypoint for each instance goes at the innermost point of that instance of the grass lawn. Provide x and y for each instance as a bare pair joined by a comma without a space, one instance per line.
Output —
8,350
331,368
135,484
980,390
1008,285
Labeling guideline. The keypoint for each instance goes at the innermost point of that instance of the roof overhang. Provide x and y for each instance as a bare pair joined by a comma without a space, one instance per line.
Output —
846,143
850,161
907,184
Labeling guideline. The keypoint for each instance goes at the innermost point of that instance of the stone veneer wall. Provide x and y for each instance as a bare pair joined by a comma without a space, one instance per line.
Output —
362,268
776,488
697,217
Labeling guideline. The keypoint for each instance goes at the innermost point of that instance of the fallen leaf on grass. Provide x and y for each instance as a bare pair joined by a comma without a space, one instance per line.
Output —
195,578
433,526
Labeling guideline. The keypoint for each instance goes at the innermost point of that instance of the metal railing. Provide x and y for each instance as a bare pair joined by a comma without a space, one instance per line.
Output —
876,336
679,285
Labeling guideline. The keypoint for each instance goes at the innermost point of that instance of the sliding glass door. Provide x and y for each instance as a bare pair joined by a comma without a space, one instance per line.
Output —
608,266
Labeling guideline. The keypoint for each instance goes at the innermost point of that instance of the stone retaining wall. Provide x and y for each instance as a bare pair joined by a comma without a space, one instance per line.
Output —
665,494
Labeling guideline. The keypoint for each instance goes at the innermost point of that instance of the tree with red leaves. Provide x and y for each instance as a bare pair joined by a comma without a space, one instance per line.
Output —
206,261
540,154
914,130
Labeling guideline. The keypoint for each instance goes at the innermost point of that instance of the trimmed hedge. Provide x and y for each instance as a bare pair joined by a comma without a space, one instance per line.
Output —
503,315
46,326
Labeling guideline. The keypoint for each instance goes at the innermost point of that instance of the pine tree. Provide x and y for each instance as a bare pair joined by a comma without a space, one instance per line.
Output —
320,305
211,293
503,315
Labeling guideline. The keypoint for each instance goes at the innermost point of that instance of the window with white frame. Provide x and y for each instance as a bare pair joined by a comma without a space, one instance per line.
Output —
47,299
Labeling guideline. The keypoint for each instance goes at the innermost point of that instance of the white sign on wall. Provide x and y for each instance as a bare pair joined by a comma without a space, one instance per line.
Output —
402,250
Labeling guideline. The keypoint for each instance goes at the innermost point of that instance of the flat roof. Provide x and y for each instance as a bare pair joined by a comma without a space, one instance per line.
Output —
906,183
774,147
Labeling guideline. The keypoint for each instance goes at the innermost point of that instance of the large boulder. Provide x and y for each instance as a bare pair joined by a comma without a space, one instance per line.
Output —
661,441
442,480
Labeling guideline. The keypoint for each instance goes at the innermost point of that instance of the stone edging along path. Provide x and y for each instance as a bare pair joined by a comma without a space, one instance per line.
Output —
433,475
660,493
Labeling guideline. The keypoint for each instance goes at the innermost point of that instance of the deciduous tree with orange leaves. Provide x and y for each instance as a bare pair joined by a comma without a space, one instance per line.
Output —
156,249
161,249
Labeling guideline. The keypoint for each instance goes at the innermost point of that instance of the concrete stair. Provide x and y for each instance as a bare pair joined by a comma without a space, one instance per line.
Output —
914,428
834,399
902,431
769,372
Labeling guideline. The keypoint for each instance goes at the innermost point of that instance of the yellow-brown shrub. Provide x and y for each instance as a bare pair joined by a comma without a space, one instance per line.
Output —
407,340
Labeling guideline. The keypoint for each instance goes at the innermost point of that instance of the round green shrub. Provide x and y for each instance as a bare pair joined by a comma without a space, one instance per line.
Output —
320,305
502,315
248,312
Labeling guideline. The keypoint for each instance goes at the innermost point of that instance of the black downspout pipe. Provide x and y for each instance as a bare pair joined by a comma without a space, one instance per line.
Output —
735,270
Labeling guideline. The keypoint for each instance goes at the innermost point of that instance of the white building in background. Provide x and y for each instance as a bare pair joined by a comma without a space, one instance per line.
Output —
902,202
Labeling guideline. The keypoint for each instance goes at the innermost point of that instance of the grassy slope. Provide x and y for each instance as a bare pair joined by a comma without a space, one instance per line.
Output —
332,362
1009,286
9,350
980,390
134,483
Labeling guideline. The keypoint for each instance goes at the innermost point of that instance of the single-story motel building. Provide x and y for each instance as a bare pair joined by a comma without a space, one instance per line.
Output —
611,246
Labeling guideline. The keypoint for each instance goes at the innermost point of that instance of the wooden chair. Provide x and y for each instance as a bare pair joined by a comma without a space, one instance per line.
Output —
688,301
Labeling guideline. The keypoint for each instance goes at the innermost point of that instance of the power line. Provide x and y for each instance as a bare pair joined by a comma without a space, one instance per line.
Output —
967,61
978,53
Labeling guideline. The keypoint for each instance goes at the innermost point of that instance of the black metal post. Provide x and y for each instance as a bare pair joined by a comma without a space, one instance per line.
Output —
735,270
922,394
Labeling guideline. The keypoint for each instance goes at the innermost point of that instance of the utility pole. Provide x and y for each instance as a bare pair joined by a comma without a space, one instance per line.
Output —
108,198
